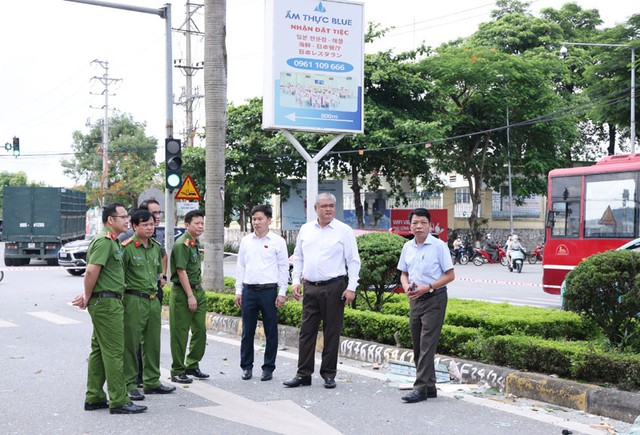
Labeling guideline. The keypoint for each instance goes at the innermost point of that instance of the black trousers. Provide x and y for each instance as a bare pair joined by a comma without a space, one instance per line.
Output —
321,303
255,302
426,318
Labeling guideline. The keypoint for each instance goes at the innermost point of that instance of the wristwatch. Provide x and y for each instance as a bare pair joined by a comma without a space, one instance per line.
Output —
430,288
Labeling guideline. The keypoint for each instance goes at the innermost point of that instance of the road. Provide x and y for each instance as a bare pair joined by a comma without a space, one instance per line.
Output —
44,344
489,282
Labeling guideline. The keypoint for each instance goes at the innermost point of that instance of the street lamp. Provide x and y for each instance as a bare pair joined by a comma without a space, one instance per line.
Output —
506,87
632,120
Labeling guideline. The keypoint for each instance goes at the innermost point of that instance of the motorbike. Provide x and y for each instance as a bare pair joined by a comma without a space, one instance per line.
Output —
536,255
517,260
483,257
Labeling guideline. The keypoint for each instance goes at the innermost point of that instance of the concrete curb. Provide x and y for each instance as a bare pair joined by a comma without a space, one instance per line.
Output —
592,399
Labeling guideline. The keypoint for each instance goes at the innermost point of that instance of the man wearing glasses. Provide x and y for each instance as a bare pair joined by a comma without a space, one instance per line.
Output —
327,262
103,289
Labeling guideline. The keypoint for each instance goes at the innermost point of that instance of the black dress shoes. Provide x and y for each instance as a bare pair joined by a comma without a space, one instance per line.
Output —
95,406
266,376
432,392
296,382
181,379
135,395
246,375
329,383
129,408
162,389
414,396
197,373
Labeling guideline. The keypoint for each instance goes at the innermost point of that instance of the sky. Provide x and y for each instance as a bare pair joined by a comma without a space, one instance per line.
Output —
48,77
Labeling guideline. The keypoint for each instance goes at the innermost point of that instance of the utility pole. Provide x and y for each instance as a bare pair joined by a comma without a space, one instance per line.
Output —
105,80
189,70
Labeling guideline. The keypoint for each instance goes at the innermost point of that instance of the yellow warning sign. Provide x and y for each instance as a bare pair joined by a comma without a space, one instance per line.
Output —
188,190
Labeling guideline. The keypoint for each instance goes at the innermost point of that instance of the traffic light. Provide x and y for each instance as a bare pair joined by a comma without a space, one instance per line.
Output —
16,146
173,163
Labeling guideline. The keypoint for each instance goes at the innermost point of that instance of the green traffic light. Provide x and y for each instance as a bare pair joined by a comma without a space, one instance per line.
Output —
173,181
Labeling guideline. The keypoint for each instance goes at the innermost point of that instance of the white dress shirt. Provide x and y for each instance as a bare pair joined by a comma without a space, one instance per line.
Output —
325,253
262,261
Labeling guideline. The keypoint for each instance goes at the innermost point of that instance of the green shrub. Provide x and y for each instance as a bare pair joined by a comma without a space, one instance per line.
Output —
605,288
379,276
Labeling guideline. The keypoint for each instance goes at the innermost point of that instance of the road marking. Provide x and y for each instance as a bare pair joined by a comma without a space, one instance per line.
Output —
495,281
53,318
6,324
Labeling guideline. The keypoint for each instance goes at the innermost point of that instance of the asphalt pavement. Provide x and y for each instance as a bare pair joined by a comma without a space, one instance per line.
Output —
44,344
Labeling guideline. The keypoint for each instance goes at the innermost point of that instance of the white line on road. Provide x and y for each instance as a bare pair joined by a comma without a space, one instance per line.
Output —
53,318
6,324
495,281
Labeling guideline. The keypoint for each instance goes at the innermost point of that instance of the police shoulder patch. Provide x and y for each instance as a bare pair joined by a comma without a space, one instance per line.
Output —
126,242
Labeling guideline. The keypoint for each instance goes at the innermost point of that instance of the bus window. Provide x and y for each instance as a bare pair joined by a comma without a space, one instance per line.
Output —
566,222
610,205
565,207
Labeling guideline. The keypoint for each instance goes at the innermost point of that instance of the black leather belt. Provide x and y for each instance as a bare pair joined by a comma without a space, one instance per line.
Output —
108,295
321,283
141,294
258,287
433,293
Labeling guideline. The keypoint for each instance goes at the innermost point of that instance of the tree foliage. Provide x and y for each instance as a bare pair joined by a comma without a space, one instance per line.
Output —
606,288
131,157
379,274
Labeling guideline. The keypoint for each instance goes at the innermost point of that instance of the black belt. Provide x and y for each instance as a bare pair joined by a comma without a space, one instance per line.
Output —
259,287
321,283
140,294
433,293
107,295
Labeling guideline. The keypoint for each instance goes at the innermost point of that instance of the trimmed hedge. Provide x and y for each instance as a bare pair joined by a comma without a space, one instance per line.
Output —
470,332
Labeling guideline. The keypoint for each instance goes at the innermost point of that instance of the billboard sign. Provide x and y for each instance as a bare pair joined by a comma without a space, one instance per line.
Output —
314,66
400,223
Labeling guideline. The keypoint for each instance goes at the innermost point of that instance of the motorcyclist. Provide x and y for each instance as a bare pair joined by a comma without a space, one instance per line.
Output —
457,245
490,247
515,245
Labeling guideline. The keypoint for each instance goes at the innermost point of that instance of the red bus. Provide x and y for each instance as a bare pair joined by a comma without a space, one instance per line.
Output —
589,210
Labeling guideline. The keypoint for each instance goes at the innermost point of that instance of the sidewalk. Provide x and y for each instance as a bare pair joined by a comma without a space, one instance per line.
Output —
592,399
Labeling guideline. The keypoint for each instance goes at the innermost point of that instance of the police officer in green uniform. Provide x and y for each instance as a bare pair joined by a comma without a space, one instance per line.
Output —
103,290
142,319
187,308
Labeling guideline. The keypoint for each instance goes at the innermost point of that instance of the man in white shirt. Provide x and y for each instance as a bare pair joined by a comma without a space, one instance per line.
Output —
326,251
262,268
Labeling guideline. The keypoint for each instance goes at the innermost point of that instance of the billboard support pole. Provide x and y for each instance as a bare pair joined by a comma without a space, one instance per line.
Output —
312,168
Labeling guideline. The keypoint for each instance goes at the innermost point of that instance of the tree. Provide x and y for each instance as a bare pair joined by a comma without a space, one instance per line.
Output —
379,274
478,85
132,166
215,89
257,161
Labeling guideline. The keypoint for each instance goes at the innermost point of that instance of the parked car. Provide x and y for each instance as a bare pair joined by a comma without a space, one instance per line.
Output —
73,255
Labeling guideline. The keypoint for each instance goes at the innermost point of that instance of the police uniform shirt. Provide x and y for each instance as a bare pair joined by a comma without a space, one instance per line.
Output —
105,250
141,264
186,255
